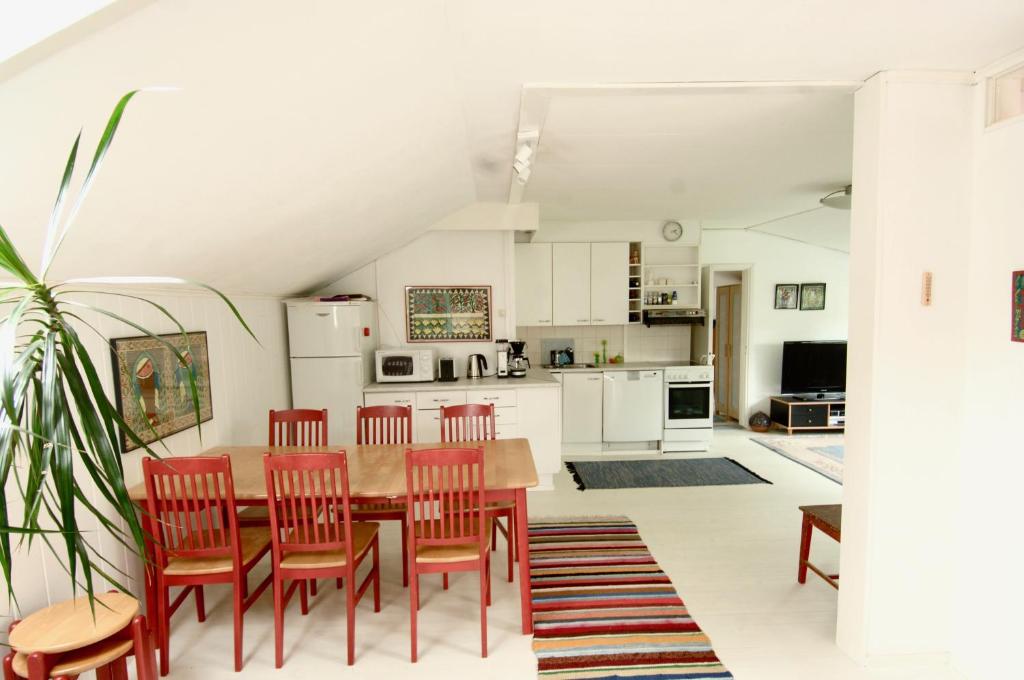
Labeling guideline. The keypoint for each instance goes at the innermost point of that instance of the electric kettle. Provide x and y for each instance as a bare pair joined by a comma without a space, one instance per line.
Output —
476,364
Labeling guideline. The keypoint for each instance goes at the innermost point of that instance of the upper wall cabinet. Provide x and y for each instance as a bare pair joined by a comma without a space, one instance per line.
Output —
609,284
571,277
533,284
572,284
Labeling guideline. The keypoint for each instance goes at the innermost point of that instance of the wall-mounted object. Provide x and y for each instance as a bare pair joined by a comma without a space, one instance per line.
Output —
152,388
926,289
812,296
786,295
1017,315
448,313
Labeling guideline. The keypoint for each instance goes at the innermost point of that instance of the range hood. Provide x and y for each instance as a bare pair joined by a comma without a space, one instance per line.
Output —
673,317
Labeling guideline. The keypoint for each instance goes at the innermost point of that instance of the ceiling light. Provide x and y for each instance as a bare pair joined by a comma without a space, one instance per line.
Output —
838,199
523,176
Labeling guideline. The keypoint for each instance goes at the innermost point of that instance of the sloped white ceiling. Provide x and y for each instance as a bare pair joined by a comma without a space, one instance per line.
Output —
301,144
311,136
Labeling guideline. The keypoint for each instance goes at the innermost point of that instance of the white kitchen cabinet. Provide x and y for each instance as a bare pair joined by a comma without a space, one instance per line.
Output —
540,420
533,284
609,284
582,402
570,267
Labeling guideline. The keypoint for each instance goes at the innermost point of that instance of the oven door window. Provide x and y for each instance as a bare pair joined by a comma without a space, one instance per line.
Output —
689,403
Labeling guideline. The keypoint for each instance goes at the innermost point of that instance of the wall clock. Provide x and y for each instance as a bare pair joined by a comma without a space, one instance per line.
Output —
672,231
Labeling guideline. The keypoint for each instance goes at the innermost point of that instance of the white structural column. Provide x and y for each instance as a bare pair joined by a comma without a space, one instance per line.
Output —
911,214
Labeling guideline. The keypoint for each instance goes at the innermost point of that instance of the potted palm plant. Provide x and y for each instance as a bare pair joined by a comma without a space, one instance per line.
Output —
59,429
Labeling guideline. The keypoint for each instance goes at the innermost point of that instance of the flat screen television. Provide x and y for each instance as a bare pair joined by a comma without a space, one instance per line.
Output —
814,367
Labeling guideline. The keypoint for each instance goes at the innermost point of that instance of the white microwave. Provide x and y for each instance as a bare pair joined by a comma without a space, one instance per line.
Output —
406,365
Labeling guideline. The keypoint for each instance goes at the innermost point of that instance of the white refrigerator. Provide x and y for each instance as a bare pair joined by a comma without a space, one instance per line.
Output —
331,345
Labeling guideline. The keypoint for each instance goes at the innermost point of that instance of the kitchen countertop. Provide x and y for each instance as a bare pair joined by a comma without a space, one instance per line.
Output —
625,366
535,377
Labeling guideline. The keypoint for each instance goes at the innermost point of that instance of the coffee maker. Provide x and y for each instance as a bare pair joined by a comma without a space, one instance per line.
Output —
517,363
503,357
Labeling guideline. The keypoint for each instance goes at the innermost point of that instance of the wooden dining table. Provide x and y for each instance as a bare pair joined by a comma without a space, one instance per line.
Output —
377,471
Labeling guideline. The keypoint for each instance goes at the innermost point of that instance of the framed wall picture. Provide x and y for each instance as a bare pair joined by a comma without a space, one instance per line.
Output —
1017,313
448,313
786,295
812,296
151,386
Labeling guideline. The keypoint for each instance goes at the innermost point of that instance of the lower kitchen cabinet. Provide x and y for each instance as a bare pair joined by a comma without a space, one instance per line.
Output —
533,413
582,403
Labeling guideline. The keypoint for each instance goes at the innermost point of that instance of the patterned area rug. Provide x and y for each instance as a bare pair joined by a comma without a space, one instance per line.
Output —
603,608
821,453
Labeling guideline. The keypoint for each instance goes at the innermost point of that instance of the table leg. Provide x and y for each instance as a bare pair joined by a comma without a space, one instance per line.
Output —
523,548
805,549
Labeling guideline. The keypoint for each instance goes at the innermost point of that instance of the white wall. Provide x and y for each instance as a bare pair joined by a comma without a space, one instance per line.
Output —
776,260
438,258
912,156
246,381
989,595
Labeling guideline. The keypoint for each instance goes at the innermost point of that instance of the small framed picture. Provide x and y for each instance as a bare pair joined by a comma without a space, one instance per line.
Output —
786,295
1017,301
812,296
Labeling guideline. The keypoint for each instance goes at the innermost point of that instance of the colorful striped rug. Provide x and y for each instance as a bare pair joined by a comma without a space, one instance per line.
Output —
603,608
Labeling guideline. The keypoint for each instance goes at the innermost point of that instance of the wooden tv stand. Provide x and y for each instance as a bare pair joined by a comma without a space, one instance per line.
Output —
794,414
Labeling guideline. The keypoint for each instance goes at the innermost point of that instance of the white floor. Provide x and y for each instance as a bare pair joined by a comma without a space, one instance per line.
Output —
730,551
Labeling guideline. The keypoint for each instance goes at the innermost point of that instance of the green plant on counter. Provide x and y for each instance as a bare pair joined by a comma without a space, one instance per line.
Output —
58,428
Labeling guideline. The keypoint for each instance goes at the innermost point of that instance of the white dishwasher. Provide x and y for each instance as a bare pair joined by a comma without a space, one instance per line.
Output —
633,406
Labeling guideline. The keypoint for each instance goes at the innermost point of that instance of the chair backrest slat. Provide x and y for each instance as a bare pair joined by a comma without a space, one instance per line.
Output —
383,424
308,499
445,495
192,502
298,427
467,423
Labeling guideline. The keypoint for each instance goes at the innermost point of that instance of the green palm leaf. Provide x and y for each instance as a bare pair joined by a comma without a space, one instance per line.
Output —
60,432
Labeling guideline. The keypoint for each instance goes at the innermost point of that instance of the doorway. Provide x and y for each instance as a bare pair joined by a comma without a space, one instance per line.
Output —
722,341
727,342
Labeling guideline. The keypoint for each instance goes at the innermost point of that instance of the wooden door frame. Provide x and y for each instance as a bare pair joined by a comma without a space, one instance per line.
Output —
709,302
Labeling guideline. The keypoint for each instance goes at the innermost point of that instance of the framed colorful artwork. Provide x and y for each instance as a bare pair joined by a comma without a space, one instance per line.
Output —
448,313
152,387
786,295
812,296
1017,313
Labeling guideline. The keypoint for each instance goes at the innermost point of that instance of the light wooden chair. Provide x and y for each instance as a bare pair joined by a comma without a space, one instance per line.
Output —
449,529
314,536
198,541
474,423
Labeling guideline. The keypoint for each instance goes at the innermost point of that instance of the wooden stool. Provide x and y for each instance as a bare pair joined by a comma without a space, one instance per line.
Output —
70,638
828,519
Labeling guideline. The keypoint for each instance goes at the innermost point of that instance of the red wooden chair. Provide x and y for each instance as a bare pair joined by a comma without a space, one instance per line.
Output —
298,427
473,423
198,540
314,535
293,427
384,425
448,526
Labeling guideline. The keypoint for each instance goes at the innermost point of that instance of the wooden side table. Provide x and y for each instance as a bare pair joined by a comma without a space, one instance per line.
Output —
71,637
829,520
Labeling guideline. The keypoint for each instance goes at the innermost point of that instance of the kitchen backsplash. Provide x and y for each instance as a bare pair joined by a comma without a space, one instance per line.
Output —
635,342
